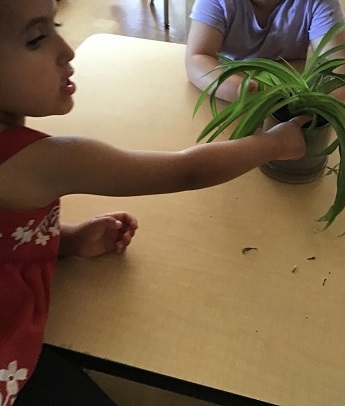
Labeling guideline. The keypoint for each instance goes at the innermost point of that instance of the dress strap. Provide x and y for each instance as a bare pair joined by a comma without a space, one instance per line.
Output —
14,139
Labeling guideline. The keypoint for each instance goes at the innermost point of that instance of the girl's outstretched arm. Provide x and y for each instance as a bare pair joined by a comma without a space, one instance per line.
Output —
58,166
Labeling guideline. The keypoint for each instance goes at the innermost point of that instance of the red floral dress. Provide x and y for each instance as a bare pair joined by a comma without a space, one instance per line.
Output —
29,243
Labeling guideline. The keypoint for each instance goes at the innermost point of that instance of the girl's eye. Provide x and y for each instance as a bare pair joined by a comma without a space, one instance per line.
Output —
35,43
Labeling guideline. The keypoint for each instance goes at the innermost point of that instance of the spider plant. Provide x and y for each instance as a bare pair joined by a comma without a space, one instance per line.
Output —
281,85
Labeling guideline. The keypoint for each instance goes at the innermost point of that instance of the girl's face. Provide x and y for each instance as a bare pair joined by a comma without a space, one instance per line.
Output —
34,62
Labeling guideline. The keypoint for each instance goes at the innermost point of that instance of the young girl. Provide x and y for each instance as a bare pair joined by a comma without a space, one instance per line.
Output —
245,29
36,170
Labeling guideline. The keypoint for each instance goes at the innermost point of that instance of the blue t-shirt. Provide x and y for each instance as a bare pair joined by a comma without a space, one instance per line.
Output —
290,28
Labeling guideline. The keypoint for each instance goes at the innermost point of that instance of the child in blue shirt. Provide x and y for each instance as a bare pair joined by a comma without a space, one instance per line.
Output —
245,29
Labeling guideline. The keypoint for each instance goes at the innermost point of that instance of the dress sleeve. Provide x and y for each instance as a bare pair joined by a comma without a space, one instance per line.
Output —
325,13
211,12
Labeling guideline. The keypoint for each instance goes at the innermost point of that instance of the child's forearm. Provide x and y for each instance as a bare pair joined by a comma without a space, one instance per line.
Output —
211,164
225,161
198,68
339,94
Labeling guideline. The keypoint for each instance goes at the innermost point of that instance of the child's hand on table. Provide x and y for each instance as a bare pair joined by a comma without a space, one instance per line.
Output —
110,232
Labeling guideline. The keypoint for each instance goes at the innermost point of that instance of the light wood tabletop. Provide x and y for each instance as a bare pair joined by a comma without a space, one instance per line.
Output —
185,302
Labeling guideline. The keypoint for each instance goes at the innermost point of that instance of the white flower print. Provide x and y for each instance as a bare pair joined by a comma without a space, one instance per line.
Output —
23,234
11,376
55,230
42,233
41,239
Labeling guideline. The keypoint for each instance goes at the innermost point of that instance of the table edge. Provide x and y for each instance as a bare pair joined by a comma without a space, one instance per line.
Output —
157,380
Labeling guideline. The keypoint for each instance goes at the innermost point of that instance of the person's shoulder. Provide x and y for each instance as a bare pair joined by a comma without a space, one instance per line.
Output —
326,3
224,4
215,13
329,9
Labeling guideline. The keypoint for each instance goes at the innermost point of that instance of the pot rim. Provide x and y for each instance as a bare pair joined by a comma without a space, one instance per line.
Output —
304,125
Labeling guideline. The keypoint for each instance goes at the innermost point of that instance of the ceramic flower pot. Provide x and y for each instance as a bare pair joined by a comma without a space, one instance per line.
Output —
308,168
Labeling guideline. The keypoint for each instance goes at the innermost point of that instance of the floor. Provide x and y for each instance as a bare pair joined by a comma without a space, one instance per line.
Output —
134,18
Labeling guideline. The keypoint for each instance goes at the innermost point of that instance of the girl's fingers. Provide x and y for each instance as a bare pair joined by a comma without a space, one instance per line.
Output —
300,120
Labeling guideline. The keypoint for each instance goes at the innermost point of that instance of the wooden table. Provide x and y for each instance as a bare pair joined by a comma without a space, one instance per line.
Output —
185,309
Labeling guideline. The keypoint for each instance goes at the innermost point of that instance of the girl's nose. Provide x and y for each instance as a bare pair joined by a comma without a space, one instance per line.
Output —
66,53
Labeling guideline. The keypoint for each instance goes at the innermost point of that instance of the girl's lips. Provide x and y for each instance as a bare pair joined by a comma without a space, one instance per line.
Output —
68,87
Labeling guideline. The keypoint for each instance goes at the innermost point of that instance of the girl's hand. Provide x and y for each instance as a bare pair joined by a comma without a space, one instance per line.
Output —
290,139
110,232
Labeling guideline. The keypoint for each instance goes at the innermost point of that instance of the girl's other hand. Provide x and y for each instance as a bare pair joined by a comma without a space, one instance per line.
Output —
110,232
